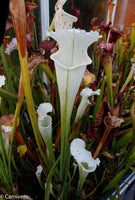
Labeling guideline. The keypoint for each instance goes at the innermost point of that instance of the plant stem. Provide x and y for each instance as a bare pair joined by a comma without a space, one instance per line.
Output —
16,116
48,71
127,80
48,182
132,113
30,104
102,141
65,151
3,152
99,99
52,26
8,95
132,36
5,63
82,177
17,9
107,63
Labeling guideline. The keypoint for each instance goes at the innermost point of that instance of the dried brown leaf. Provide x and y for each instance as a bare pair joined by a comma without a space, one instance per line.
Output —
17,9
102,112
113,121
7,119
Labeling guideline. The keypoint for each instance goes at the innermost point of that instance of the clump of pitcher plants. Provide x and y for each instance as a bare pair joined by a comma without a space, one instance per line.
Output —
71,136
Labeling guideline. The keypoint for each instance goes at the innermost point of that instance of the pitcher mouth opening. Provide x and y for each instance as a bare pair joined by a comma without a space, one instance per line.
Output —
46,122
70,68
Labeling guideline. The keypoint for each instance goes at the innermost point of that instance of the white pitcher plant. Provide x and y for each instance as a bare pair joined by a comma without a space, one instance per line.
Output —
2,80
85,93
5,128
63,20
5,131
45,126
84,159
70,63
38,174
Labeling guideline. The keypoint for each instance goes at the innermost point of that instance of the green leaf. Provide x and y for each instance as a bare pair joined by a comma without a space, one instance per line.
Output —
49,178
4,61
132,168
115,180
118,177
124,140
117,188
48,71
127,80
131,159
126,124
99,99
8,95
111,197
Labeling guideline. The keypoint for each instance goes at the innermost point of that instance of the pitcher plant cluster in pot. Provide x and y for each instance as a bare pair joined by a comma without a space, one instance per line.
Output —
72,137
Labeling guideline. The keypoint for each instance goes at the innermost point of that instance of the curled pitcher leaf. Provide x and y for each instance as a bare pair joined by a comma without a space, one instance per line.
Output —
45,122
39,171
85,93
2,80
38,174
43,110
75,43
70,61
6,133
63,20
6,143
84,159
7,130
82,156
77,146
45,126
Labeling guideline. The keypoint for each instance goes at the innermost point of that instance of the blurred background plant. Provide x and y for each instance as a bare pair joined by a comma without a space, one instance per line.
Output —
106,123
